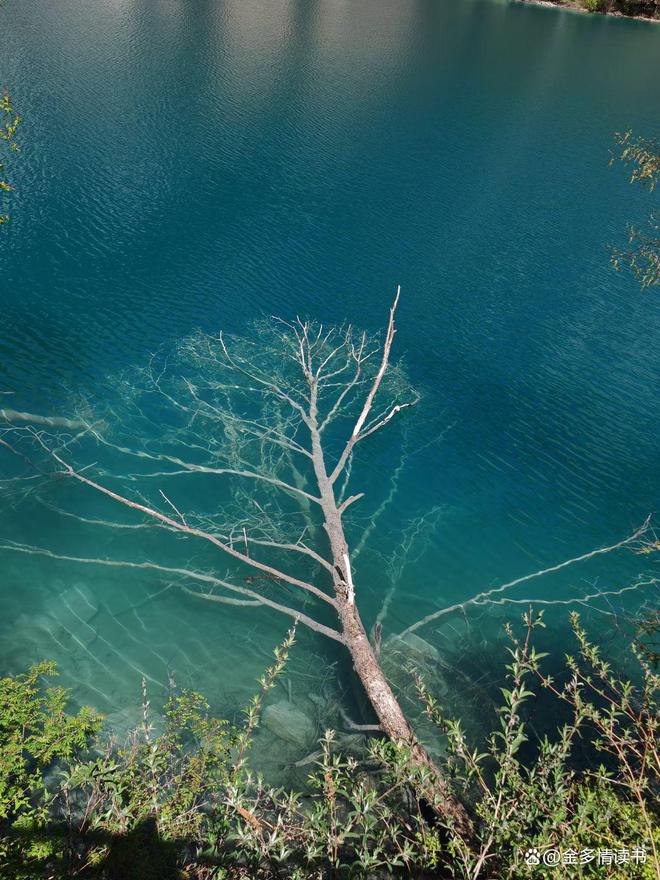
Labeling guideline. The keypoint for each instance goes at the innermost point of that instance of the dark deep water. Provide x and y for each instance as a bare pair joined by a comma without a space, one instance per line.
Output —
189,163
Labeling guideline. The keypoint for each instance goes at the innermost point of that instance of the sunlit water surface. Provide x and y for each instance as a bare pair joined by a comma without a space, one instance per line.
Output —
200,163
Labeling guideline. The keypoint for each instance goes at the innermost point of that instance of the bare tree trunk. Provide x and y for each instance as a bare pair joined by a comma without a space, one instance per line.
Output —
365,662
391,718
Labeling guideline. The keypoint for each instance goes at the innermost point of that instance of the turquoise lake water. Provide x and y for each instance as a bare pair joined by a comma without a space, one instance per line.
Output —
201,164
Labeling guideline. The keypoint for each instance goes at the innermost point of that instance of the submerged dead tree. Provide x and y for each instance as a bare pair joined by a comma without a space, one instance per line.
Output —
245,448
283,412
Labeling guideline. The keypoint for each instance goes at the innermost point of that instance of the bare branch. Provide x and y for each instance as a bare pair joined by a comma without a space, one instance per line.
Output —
350,500
295,548
274,388
261,432
262,600
581,600
328,358
192,468
387,346
174,508
365,728
256,598
181,527
347,388
357,434
481,598
202,469
99,522
376,426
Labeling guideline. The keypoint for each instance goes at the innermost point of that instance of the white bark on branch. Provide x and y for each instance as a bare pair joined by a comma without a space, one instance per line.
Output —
189,530
189,574
486,596
387,347
350,595
382,422
358,433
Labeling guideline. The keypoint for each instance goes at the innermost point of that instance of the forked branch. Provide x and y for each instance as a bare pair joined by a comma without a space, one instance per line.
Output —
186,574
181,526
360,432
487,595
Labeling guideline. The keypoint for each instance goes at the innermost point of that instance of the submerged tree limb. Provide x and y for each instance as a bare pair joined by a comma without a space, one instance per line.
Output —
12,415
183,527
486,596
187,574
582,600
262,600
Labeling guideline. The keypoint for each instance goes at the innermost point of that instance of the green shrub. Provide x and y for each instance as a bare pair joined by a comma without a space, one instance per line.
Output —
642,156
547,803
9,123
36,736
184,803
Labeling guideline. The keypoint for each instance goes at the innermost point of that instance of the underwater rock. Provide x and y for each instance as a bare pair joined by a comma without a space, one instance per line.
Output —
122,722
421,646
78,600
411,644
68,616
289,723
402,657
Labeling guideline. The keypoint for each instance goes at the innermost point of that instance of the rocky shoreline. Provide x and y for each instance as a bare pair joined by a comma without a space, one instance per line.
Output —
642,10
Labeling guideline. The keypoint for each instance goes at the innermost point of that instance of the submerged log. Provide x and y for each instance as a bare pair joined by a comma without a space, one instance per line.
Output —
12,415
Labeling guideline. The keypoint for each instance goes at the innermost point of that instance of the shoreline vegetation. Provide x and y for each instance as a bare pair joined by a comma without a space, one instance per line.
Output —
643,10
9,122
177,799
